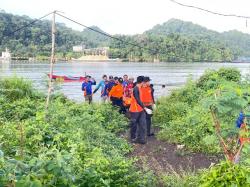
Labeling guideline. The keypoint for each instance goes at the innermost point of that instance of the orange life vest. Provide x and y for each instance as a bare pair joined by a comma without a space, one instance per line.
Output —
116,91
146,96
84,92
134,107
127,101
243,140
127,92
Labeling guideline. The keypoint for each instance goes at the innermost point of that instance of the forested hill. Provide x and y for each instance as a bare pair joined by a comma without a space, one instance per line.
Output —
181,27
237,41
36,40
94,39
174,40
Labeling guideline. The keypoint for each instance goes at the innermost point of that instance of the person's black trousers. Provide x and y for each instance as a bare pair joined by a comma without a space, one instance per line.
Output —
138,126
149,120
118,102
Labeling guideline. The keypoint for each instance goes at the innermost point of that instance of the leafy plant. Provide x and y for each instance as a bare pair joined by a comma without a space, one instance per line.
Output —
184,117
226,174
76,145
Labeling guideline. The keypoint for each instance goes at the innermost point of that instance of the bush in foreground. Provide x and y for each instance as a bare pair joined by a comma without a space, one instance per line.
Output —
184,116
73,145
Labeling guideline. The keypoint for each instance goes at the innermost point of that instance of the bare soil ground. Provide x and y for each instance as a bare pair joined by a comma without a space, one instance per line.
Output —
162,157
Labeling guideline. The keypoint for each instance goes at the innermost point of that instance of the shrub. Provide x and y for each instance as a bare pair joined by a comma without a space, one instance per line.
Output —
180,179
212,78
229,74
226,174
14,88
184,116
75,145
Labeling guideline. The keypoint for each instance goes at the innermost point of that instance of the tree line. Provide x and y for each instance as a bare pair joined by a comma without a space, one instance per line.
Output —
162,43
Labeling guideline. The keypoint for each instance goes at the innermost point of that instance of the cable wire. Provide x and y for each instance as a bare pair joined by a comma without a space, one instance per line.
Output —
29,24
108,35
209,11
154,52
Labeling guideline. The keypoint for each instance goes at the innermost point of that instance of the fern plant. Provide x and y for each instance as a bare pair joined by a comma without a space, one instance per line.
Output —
224,104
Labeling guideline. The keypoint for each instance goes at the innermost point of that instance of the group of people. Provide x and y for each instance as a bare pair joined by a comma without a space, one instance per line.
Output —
134,98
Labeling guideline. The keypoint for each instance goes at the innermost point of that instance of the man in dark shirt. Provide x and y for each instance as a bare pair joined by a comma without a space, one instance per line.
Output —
147,95
125,81
137,115
111,83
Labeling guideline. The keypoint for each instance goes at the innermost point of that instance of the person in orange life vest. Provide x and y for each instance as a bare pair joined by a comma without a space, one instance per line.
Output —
137,115
243,132
116,94
87,88
127,92
147,98
240,123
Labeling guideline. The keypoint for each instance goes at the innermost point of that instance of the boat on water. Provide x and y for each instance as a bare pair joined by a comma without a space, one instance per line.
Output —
65,78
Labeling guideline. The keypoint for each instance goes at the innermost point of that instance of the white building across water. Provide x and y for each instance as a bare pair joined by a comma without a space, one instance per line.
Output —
6,55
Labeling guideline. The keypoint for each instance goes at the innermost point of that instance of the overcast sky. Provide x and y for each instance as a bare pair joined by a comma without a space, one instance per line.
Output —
135,16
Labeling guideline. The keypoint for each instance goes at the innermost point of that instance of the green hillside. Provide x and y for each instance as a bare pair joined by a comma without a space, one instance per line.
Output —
237,41
172,41
36,40
181,27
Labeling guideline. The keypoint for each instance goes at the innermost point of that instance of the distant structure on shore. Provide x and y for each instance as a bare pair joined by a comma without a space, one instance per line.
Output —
5,55
78,48
242,59
93,54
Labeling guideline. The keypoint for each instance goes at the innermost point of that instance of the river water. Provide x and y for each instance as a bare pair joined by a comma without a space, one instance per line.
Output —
173,75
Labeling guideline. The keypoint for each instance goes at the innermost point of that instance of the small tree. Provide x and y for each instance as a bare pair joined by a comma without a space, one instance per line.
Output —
224,104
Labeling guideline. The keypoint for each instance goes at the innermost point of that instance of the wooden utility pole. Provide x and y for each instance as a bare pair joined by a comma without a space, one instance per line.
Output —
52,59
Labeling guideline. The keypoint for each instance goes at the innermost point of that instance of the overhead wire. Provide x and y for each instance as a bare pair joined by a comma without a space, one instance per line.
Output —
155,52
108,35
29,24
209,11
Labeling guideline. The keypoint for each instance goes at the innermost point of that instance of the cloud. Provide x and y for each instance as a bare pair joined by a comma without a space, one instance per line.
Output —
134,16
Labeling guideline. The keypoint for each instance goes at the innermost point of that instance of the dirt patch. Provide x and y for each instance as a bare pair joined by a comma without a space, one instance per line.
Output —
161,157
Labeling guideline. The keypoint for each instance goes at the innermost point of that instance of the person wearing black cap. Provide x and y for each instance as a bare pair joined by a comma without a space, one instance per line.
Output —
111,83
147,96
137,115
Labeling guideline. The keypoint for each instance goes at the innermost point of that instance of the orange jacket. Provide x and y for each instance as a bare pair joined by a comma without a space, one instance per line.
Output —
243,139
116,91
146,96
134,106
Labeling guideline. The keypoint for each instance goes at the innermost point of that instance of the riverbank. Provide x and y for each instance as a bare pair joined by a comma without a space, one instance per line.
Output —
172,74
77,144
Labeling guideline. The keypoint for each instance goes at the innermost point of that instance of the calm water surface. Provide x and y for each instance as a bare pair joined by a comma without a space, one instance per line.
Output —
172,74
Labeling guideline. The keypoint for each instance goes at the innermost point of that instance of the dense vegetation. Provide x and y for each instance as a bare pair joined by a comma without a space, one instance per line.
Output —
35,40
237,41
74,145
78,145
175,40
185,118
170,48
